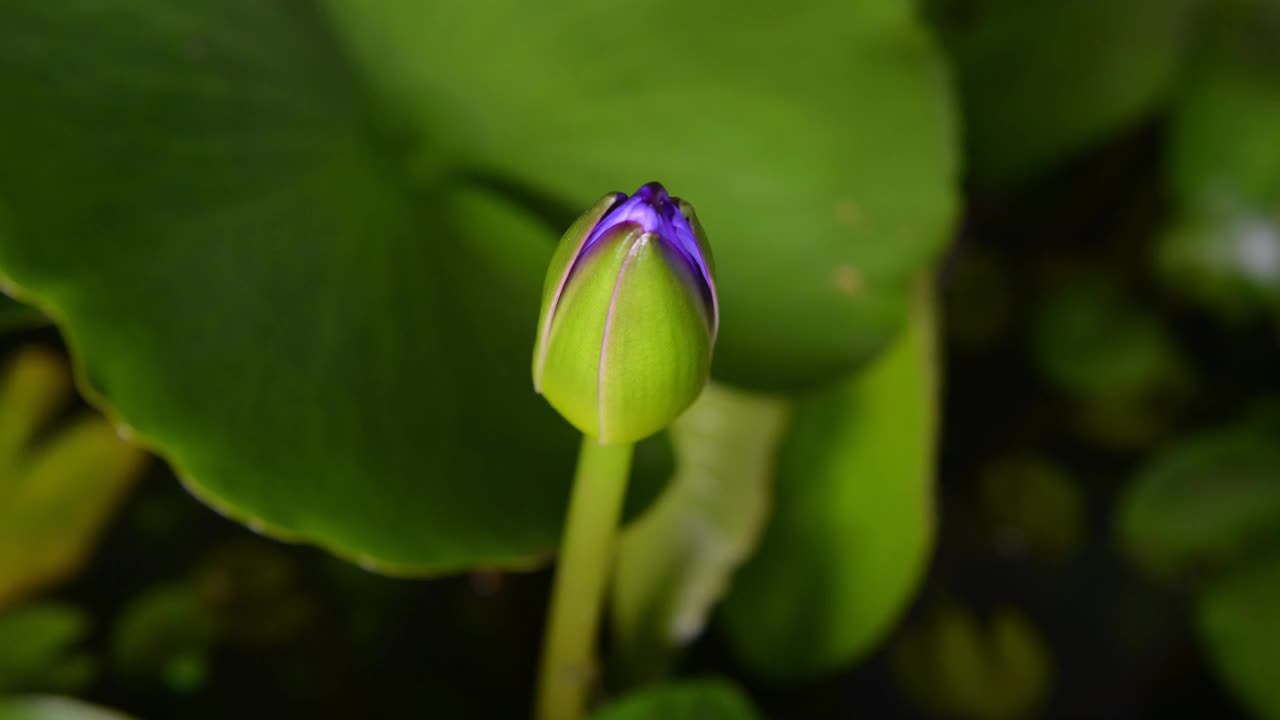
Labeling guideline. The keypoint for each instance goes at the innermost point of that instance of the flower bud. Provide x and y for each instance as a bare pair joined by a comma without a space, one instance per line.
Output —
629,317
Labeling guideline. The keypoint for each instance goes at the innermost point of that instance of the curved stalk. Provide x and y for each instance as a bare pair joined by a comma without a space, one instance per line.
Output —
587,551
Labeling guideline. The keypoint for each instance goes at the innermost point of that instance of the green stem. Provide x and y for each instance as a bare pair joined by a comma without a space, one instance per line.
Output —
586,556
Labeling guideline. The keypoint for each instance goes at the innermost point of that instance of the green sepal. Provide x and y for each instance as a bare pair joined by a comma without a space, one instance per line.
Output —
558,272
656,357
569,379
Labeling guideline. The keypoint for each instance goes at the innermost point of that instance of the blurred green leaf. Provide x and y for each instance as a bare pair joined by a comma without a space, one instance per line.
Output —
38,707
1205,501
1223,248
323,346
1240,627
37,649
676,560
684,700
853,523
1091,341
1042,79
817,144
1225,115
955,667
1225,257
57,489
161,633
247,595
34,386
1124,374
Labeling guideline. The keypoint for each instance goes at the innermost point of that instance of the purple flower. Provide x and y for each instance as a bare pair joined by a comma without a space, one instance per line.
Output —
659,214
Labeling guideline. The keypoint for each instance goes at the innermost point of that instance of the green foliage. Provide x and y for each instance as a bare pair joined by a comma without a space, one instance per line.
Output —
58,486
686,700
1223,247
164,632
1205,502
1211,505
1241,629
296,247
244,594
677,559
1040,79
37,649
832,576
837,119
1226,111
271,307
1115,359
277,266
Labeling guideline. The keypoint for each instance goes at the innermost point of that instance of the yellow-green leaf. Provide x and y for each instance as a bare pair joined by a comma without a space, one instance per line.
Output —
853,523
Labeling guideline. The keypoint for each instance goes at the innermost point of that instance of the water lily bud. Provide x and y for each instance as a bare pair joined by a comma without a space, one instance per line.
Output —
629,317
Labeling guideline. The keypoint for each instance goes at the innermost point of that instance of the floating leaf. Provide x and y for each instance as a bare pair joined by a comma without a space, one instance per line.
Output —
1040,80
853,523
818,146
1205,501
323,344
676,560
685,700
1241,630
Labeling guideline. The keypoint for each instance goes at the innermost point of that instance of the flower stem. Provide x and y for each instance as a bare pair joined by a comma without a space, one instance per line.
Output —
586,557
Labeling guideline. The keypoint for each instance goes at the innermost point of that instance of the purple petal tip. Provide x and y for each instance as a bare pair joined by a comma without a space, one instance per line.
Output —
658,214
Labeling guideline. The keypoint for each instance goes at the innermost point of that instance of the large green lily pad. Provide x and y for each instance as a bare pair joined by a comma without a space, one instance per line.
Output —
303,300
321,347
817,146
